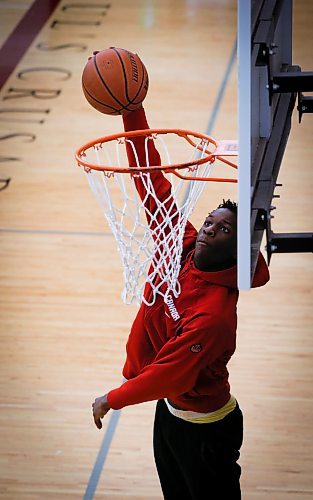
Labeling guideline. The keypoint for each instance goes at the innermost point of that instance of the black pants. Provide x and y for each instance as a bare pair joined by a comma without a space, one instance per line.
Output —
198,461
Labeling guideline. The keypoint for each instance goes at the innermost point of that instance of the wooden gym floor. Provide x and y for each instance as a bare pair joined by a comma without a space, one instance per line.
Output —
63,325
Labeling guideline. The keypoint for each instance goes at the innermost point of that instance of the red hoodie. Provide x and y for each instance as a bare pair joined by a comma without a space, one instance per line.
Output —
179,350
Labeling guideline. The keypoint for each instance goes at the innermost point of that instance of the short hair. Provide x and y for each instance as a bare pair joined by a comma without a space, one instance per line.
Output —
230,205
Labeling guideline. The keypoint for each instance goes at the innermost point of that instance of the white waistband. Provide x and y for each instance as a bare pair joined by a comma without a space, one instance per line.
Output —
197,417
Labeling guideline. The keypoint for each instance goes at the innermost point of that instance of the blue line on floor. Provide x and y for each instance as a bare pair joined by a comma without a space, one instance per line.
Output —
218,101
102,455
221,91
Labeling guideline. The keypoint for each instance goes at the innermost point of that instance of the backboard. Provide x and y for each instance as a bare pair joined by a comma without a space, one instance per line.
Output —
264,53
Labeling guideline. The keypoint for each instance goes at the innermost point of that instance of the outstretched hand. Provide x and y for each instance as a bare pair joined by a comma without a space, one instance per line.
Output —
99,409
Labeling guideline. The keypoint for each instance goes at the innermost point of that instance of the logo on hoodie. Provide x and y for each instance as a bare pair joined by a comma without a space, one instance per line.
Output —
196,348
171,307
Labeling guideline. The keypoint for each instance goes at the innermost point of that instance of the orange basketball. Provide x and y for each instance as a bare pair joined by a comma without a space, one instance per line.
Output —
115,80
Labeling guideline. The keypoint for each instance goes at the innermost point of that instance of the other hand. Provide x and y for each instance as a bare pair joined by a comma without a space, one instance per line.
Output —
99,409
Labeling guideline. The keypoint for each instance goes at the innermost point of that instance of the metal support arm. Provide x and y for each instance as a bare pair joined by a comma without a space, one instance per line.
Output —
288,243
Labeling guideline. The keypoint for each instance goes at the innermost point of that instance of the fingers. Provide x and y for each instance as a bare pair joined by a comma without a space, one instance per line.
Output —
97,422
98,414
100,408
95,52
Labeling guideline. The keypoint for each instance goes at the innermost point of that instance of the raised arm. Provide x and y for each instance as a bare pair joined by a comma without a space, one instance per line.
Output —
137,121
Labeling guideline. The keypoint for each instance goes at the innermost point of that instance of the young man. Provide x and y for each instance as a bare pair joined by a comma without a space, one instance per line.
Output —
178,350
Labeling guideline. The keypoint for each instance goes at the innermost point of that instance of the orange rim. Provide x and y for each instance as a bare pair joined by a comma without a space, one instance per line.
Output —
209,156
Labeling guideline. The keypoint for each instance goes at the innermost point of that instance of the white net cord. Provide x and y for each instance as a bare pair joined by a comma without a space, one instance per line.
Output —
150,243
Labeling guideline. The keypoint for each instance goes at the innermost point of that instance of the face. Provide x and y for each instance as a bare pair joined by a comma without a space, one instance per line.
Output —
216,244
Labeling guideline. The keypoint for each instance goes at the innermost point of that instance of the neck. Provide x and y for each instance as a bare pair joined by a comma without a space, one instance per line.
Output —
214,266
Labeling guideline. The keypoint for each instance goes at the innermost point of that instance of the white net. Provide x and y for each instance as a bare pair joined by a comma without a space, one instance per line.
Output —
149,235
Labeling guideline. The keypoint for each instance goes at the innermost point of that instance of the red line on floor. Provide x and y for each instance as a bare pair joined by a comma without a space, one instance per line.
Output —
22,36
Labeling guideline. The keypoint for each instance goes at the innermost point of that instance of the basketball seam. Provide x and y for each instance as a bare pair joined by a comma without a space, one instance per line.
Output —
105,85
142,81
99,102
131,101
124,73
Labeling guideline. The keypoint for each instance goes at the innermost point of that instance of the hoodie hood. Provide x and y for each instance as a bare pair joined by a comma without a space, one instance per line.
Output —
228,277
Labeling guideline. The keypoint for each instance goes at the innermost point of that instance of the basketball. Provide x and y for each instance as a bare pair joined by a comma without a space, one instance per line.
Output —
115,80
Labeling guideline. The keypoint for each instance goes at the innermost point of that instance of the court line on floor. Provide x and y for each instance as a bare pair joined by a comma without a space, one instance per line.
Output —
222,88
104,449
54,231
217,102
11,53
23,35
102,454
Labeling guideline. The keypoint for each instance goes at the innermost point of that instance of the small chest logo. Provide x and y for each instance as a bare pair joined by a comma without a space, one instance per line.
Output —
196,348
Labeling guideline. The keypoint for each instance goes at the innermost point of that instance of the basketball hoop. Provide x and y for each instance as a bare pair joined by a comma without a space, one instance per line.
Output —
150,242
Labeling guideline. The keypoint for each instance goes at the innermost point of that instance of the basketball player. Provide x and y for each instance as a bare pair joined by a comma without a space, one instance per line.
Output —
177,354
